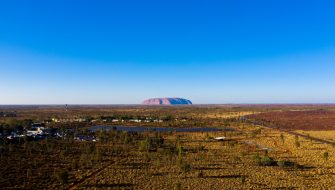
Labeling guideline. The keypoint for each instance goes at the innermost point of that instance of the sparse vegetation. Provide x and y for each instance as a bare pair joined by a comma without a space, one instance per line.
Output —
264,161
63,176
252,156
326,155
282,138
296,142
284,163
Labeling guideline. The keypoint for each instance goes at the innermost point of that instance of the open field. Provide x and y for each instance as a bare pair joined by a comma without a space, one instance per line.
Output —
223,165
317,120
48,111
251,157
325,135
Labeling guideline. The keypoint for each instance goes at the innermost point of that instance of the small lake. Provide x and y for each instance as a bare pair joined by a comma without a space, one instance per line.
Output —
157,129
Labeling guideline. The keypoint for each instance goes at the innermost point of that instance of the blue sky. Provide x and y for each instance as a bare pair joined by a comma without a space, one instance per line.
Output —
122,52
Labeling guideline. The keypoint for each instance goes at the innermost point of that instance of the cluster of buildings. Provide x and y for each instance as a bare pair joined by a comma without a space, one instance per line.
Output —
39,132
109,119
147,120
65,120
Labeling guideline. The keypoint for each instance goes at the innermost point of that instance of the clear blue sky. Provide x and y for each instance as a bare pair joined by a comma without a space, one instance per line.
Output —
122,52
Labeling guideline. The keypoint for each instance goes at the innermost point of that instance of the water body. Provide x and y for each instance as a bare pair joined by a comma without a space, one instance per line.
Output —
157,129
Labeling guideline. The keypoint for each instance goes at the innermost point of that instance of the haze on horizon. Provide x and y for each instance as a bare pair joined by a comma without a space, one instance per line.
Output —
123,52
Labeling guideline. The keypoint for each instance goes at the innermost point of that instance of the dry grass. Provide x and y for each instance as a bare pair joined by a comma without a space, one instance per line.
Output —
224,165
326,135
226,115
229,164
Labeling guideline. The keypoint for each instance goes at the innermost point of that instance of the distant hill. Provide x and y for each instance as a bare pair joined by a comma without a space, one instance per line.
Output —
167,101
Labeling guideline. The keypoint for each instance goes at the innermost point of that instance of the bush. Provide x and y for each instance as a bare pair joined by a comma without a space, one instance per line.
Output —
256,132
264,161
200,174
297,144
326,155
156,142
232,143
183,166
151,144
283,163
177,186
144,145
256,158
282,138
237,159
243,179
89,148
126,138
63,176
180,150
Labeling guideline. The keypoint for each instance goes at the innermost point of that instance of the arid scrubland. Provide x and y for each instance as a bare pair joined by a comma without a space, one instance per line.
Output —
252,156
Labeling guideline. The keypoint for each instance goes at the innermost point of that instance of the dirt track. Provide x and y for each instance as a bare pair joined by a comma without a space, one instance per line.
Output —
289,132
96,172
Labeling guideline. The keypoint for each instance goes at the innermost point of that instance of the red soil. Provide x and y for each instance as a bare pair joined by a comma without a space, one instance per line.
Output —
315,120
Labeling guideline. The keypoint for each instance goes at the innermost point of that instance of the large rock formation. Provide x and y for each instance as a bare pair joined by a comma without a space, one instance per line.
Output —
167,101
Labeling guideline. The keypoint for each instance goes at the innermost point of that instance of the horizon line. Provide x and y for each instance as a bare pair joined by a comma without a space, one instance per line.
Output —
38,104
